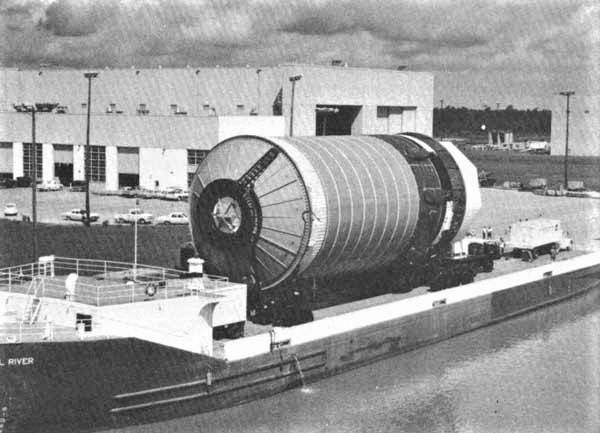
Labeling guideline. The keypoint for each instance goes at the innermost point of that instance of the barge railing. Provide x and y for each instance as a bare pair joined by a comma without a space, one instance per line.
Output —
103,282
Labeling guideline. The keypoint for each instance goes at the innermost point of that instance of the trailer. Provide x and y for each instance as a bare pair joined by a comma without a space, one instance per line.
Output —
529,239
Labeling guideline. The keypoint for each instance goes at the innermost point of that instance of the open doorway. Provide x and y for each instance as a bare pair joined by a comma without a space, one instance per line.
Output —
337,119
64,172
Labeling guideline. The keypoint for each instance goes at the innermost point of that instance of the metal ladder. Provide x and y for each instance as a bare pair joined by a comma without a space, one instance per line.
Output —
34,303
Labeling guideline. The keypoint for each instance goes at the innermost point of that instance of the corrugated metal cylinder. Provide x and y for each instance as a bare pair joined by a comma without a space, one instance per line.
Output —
311,207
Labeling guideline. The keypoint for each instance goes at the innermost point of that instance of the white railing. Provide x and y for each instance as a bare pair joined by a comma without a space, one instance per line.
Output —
101,282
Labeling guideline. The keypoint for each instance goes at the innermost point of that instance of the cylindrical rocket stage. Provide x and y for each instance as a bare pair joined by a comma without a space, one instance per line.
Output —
274,209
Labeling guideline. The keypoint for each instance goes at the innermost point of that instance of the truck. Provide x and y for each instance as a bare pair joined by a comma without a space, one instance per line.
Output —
134,215
529,239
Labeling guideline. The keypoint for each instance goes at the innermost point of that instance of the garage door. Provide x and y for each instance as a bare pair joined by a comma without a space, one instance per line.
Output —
6,157
63,153
128,160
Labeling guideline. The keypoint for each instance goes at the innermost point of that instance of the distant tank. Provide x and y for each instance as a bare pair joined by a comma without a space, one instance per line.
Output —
275,210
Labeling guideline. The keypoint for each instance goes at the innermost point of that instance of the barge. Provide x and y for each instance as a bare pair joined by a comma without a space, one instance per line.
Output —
130,359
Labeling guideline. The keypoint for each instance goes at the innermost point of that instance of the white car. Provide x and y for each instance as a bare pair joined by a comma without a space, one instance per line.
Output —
49,185
175,194
173,218
134,215
11,210
79,215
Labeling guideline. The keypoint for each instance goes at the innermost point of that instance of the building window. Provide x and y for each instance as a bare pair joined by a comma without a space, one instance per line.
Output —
28,160
97,164
190,178
195,157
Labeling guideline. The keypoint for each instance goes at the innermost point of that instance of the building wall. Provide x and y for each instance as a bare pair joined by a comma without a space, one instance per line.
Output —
218,102
78,161
366,88
17,159
168,167
584,126
269,126
112,168
47,161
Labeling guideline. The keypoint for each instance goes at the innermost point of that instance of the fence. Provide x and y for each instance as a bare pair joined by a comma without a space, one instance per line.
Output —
101,282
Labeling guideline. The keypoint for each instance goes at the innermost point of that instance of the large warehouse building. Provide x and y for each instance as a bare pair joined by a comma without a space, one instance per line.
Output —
151,127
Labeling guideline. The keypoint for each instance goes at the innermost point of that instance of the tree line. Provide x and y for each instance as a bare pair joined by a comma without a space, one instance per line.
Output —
453,121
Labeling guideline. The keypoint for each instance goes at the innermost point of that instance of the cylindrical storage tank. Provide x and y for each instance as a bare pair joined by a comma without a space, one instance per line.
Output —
273,209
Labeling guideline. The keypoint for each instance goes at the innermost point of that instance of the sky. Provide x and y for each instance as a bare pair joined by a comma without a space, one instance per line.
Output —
482,52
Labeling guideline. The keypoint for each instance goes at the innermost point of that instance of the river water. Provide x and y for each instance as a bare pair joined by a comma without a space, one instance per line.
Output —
535,373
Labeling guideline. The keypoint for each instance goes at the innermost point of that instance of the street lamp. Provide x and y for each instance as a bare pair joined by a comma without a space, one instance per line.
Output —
293,80
89,76
568,94
258,71
44,107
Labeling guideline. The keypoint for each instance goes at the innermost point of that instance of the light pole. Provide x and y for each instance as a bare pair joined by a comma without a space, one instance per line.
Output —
258,71
293,80
33,108
89,76
568,94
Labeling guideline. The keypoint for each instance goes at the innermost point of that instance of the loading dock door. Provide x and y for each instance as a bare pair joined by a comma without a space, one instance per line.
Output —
6,160
128,163
336,119
63,163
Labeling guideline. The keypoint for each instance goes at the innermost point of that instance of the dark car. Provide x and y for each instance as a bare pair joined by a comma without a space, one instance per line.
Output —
7,183
77,186
23,181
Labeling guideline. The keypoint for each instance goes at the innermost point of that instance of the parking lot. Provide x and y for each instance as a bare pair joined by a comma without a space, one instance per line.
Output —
51,204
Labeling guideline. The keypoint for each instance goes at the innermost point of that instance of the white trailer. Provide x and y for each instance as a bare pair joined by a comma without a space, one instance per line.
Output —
529,239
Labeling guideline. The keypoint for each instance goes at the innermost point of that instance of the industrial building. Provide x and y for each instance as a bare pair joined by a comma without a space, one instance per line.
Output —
584,125
151,127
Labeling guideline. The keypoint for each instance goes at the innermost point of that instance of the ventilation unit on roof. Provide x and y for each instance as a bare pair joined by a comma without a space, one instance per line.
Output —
62,109
142,110
111,108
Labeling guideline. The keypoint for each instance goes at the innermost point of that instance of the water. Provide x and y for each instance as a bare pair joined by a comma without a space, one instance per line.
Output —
535,373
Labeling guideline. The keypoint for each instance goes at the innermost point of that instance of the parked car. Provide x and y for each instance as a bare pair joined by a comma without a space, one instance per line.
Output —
7,183
127,191
11,210
77,186
49,185
173,218
134,215
23,181
79,215
175,194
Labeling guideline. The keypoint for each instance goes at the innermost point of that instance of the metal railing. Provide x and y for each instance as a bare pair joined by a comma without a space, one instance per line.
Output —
102,282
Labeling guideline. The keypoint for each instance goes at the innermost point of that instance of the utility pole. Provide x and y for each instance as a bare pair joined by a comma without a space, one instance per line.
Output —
33,108
34,186
568,94
89,76
293,80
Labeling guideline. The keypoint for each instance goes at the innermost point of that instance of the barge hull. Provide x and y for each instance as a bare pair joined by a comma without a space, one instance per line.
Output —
88,385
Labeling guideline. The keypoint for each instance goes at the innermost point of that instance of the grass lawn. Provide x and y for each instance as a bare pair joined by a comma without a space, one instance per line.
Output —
517,166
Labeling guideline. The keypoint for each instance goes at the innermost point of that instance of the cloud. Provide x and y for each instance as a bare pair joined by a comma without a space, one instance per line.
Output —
435,35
